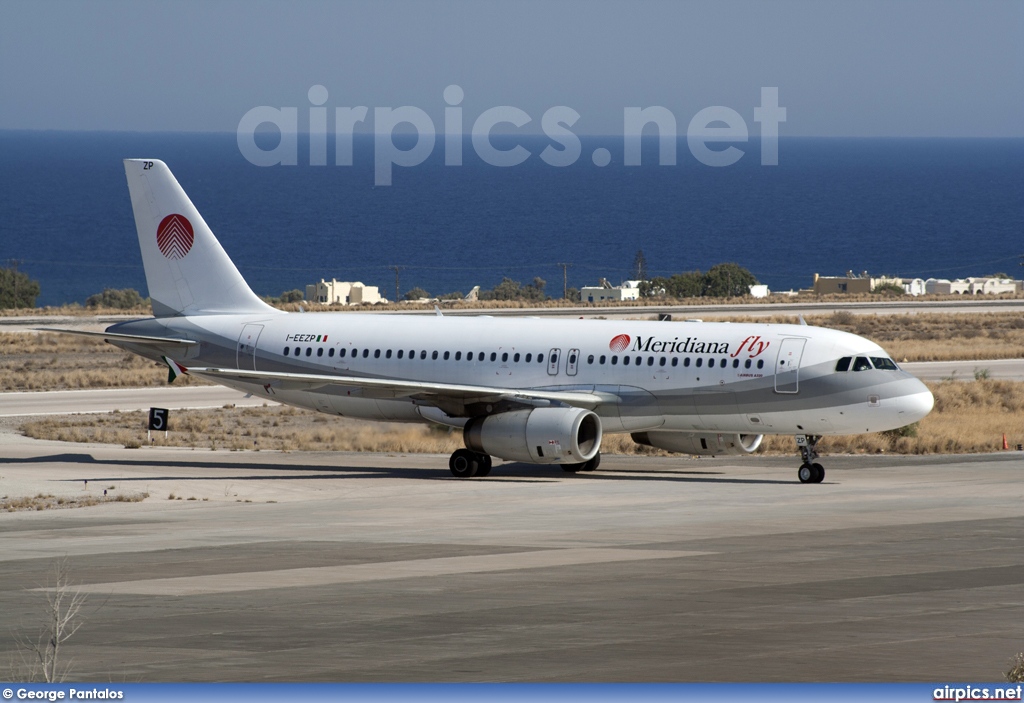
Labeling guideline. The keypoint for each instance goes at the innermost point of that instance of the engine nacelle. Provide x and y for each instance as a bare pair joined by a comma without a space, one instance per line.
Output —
539,436
700,443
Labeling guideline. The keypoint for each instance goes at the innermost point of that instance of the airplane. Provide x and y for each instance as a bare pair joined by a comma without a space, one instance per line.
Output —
541,391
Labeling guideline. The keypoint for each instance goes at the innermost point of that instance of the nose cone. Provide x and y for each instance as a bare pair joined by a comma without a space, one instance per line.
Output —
916,405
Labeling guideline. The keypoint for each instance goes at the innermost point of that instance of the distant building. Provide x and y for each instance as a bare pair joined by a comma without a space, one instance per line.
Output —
630,290
343,293
971,286
759,291
914,286
851,283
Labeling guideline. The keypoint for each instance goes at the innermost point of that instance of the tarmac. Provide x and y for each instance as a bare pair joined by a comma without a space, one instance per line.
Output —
271,566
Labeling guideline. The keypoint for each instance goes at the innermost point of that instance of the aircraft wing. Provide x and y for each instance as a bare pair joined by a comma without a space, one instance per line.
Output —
115,337
401,388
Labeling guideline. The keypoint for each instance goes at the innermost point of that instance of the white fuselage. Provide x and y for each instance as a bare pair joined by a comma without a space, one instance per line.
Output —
672,376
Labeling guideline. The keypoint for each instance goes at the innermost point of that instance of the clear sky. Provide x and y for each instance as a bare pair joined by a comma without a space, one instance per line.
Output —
849,68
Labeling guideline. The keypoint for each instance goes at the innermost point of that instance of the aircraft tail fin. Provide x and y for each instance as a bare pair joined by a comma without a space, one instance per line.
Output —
187,270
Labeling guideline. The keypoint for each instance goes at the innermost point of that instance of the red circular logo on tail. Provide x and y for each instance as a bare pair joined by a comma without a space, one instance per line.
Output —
619,343
174,236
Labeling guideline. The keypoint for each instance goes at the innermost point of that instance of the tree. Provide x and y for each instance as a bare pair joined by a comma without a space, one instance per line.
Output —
42,658
513,290
888,289
17,290
686,285
417,293
728,281
121,299
640,266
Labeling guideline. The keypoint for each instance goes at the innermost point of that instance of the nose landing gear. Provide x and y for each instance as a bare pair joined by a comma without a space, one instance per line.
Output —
809,471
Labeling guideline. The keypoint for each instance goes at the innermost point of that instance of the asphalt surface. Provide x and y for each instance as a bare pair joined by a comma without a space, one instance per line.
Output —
362,567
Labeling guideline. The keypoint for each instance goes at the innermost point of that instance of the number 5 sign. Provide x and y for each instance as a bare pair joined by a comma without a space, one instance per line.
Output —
158,419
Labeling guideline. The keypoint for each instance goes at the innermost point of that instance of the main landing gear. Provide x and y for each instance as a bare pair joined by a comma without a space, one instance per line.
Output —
585,466
464,463
809,471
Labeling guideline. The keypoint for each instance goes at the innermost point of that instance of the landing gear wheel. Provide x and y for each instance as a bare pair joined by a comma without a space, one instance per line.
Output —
809,471
593,463
464,463
573,468
483,465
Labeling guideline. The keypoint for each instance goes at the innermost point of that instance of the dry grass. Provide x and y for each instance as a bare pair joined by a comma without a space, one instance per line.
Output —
45,501
969,417
46,362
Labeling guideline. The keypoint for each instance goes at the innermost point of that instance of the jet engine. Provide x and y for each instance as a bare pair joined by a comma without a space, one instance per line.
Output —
539,436
700,443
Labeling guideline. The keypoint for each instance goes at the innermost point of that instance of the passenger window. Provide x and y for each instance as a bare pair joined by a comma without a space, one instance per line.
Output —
711,363
458,356
480,356
366,353
376,353
615,360
746,364
401,353
844,363
446,355
861,363
760,363
423,354
882,362
504,357
650,361
686,361
625,361
494,356
330,352
529,357
286,351
602,359
661,362
433,355
590,359
699,362
387,354
675,361
320,351
516,358
309,351
540,358
735,363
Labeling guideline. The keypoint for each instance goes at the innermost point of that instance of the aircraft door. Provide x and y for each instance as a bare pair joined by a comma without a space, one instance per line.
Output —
246,357
553,360
572,362
787,366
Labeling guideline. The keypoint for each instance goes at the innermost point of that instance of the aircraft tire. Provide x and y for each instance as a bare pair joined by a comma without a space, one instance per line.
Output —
806,474
464,463
593,463
483,465
572,468
819,473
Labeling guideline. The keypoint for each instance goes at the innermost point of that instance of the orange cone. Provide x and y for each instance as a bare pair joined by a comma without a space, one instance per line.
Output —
1005,445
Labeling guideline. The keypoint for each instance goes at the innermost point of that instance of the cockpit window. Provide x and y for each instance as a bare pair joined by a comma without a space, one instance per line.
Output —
861,363
883,362
844,363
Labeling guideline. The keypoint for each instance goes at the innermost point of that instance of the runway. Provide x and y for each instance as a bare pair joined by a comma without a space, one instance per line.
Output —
364,567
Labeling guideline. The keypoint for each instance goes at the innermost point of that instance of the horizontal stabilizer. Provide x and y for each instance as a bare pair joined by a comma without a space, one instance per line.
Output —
115,337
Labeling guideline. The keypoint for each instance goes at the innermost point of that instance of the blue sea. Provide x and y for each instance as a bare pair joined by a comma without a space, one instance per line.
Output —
911,207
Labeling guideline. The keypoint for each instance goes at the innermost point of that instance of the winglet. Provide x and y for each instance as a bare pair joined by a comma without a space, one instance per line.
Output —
174,369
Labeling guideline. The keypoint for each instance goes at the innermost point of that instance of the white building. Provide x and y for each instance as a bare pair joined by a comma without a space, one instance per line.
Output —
759,291
971,286
630,290
914,286
343,292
